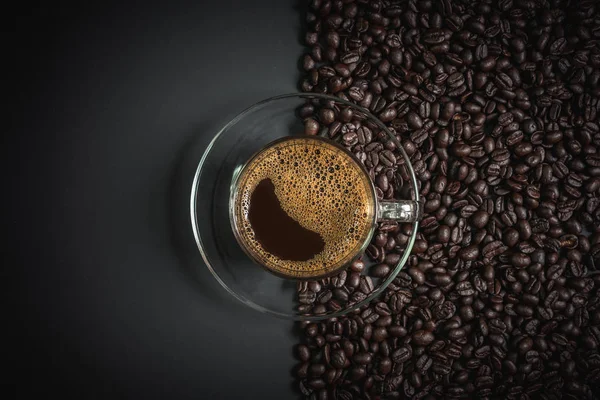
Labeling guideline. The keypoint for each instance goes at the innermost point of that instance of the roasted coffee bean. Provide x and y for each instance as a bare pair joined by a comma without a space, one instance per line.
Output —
422,338
493,249
402,354
480,219
387,158
380,270
311,127
520,260
469,253
303,352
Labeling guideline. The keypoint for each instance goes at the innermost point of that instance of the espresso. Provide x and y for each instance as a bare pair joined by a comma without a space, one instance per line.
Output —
268,220
303,207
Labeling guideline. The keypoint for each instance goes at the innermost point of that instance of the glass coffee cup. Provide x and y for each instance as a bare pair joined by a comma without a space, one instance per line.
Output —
304,207
372,150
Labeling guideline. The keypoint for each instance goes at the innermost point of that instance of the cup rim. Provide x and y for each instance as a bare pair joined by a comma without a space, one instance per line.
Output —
201,246
347,260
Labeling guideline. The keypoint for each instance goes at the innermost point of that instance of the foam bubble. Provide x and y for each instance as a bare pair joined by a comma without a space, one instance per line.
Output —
321,187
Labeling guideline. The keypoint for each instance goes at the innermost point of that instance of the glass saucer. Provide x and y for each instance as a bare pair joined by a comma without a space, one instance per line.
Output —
229,150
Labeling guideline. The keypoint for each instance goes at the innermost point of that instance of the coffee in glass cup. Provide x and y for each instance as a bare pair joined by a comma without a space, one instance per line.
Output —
304,207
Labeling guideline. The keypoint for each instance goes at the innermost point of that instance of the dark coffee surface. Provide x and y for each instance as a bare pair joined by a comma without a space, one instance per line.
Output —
277,232
318,187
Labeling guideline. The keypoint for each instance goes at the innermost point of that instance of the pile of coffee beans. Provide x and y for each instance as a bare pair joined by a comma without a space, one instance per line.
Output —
496,104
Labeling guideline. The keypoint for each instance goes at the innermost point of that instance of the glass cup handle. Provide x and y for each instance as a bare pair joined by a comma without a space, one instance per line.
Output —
399,210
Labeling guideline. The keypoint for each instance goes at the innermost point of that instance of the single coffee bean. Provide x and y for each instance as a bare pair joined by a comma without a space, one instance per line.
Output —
357,265
402,354
469,253
311,126
303,352
480,219
422,338
520,260
460,149
380,270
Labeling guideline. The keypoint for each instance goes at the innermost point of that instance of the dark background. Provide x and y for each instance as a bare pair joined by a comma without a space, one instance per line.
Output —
110,109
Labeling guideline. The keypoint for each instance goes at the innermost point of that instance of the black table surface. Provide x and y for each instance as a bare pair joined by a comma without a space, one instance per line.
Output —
113,106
